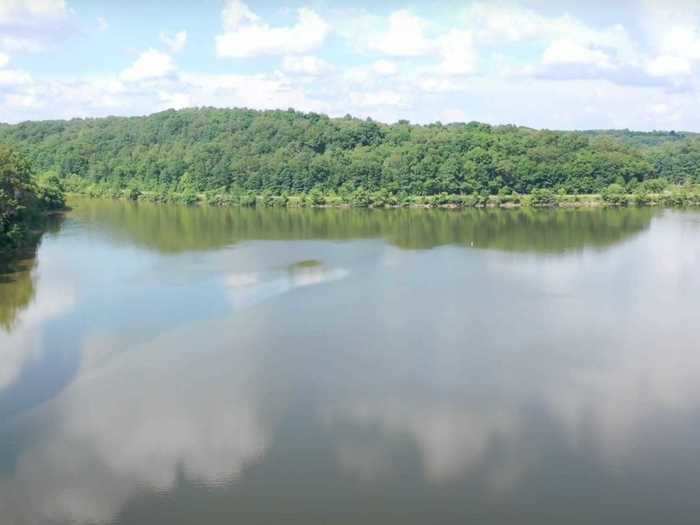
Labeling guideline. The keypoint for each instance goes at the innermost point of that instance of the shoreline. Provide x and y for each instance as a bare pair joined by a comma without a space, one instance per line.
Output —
35,230
678,199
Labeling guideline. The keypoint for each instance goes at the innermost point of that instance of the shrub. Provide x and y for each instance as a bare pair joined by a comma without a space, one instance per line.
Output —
614,195
543,198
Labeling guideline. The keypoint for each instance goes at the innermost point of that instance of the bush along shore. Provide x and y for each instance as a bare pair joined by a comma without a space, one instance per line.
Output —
615,196
26,201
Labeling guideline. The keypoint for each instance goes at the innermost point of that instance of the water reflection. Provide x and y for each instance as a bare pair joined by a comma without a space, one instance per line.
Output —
24,311
18,276
136,427
571,381
253,287
312,378
174,229
16,290
23,342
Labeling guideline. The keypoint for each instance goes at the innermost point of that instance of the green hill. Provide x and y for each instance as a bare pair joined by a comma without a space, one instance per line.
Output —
241,150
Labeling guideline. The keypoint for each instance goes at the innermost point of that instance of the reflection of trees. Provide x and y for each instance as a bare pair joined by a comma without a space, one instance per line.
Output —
178,228
23,309
17,280
522,230
16,291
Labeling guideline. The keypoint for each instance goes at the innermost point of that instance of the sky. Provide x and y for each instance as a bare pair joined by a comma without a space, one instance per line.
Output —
562,64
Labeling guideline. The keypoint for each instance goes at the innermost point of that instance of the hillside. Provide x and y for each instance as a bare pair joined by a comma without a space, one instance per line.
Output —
241,150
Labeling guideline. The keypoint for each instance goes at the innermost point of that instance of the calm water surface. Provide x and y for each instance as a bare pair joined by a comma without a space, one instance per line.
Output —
167,365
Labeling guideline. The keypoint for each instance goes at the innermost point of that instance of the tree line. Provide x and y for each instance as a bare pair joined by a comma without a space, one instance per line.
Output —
245,156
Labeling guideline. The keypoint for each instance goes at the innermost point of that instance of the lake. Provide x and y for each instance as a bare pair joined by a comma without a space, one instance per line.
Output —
173,365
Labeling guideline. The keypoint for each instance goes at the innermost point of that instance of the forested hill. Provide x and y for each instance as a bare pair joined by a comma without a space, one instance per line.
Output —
240,150
642,138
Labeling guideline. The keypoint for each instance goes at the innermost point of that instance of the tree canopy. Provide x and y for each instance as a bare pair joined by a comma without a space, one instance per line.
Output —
241,150
23,198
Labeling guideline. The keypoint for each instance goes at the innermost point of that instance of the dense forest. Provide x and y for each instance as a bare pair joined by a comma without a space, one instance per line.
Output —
24,200
243,156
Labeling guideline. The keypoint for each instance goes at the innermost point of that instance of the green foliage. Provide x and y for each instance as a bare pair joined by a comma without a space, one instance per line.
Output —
286,158
248,199
653,185
361,198
614,195
50,191
238,150
23,199
133,194
642,199
543,198
187,197
642,138
316,197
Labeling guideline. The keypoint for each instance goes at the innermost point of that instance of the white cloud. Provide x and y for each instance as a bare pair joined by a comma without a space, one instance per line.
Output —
252,91
31,25
357,75
500,22
518,60
129,93
668,65
14,77
377,98
89,96
675,38
102,23
453,115
566,51
4,59
497,23
19,11
23,101
569,41
247,35
175,100
385,68
437,84
149,65
660,109
176,42
236,13
422,98
458,53
405,36
22,44
305,65
682,41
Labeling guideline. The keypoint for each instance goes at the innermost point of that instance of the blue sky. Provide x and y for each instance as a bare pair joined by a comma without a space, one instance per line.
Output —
556,64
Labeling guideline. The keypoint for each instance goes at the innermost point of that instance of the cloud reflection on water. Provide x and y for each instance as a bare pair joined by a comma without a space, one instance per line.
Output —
24,341
474,357
134,426
603,376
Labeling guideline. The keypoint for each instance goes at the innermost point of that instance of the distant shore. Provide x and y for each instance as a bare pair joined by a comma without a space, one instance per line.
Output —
676,197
